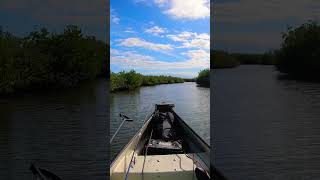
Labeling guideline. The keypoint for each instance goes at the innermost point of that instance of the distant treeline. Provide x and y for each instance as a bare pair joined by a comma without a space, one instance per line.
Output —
189,79
131,80
203,78
298,55
223,59
46,60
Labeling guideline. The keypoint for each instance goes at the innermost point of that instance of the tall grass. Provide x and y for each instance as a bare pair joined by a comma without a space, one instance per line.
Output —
131,80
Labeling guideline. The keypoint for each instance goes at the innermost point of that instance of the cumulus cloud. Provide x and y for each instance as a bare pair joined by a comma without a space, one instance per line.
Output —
185,9
137,42
191,39
133,60
156,30
182,37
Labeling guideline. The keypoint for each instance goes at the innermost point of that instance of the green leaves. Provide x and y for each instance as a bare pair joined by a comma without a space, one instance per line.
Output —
131,80
203,78
299,54
45,60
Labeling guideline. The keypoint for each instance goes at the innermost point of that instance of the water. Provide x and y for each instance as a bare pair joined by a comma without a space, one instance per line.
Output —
63,131
192,105
265,128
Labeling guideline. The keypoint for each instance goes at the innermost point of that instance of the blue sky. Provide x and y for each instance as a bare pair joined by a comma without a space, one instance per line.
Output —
170,37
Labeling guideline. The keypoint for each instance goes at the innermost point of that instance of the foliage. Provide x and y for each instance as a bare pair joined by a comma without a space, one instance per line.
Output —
267,58
299,55
45,60
131,80
203,78
223,59
190,80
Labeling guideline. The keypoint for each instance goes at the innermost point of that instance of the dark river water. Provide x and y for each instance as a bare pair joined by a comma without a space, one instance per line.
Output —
63,131
265,128
192,105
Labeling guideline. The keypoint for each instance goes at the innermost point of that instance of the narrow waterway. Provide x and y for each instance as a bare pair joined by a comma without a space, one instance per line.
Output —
192,104
265,128
62,131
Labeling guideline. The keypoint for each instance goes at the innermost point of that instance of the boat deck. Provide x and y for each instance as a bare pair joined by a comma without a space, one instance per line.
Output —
173,166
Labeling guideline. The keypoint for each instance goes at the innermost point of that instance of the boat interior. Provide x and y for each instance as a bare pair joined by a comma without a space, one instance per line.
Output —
167,149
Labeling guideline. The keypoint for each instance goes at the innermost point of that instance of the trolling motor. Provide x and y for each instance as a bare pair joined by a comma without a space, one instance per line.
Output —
124,119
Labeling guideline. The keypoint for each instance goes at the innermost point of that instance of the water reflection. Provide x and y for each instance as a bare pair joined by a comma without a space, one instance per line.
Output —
265,128
62,131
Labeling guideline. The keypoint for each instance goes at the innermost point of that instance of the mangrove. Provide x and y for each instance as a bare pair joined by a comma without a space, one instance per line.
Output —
131,80
203,78
299,54
223,59
46,60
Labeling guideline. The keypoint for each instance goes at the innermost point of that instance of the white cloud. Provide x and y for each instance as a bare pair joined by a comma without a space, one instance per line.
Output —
201,41
129,30
185,74
156,30
137,42
192,40
114,18
161,2
182,37
185,9
132,60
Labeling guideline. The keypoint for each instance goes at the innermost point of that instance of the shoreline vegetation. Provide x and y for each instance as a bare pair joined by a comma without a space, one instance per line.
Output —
46,60
131,80
223,59
203,78
297,58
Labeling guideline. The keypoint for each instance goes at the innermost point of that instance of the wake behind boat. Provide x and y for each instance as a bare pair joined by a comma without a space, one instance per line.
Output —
164,148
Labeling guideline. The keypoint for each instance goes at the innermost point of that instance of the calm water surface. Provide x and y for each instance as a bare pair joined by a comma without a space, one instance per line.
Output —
64,132
192,105
265,128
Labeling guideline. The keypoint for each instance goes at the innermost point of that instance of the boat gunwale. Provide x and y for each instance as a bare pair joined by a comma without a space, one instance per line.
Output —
147,120
197,136
181,120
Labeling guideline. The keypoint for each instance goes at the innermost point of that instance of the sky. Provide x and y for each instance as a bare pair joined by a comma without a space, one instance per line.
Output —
160,37
255,26
22,16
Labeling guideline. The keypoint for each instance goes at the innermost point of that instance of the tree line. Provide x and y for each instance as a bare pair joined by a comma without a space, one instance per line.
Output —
298,56
203,78
223,59
131,80
44,59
